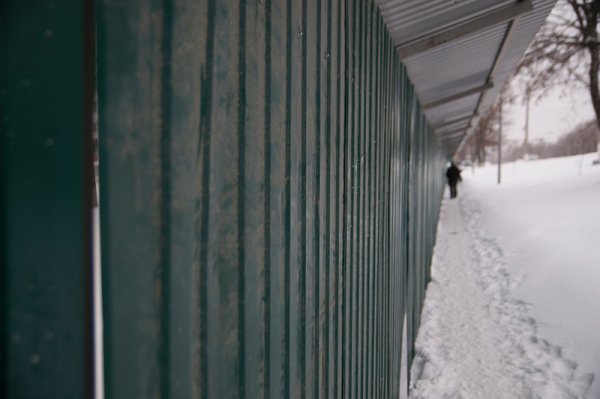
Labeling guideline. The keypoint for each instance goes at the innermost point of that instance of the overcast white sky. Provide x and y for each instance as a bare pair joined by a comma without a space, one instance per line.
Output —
551,117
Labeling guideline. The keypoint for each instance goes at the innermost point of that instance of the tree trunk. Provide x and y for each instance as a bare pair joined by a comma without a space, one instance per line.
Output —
594,89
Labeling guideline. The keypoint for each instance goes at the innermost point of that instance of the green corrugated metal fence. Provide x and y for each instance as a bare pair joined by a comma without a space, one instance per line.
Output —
259,231
46,88
269,196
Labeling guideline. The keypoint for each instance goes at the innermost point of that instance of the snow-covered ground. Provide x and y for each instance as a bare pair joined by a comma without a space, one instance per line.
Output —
513,310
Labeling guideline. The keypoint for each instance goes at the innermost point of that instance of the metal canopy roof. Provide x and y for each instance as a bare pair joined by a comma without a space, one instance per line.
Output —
459,53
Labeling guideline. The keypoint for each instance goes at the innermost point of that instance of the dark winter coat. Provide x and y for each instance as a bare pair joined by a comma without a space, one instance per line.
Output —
453,175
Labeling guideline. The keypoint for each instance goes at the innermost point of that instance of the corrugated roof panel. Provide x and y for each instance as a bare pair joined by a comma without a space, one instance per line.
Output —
458,107
408,20
443,89
450,129
464,44
465,63
451,67
522,34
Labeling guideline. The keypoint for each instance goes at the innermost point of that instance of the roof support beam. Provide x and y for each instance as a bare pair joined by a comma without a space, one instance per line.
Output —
453,121
463,29
452,149
453,145
502,50
499,55
452,133
458,96
452,138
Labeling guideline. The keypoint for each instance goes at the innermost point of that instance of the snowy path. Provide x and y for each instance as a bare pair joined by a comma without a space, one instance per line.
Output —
476,340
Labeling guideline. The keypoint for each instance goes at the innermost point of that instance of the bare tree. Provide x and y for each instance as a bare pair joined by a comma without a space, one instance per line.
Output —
566,51
485,133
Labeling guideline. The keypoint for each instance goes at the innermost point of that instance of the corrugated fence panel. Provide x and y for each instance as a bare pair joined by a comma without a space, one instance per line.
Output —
46,93
270,191
424,199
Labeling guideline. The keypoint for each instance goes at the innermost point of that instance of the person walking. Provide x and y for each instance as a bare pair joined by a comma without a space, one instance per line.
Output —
453,176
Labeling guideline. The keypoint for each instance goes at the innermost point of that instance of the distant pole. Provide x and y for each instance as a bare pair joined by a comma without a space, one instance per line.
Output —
500,145
527,126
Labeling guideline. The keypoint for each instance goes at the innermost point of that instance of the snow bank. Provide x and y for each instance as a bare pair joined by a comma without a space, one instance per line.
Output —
546,217
477,339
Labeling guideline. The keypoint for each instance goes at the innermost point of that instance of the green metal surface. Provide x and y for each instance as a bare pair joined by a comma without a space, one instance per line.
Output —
45,199
270,192
426,163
